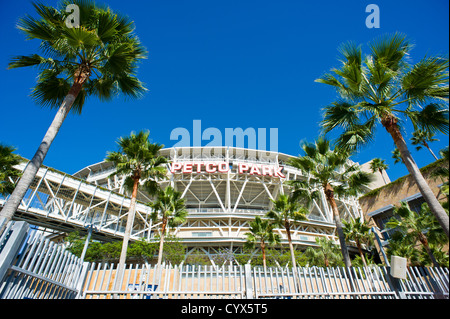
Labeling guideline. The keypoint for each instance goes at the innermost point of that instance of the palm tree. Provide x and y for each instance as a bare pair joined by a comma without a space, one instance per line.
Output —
378,165
327,254
358,231
137,160
285,211
422,138
169,208
7,171
397,156
415,227
398,247
98,58
261,231
439,253
332,171
383,87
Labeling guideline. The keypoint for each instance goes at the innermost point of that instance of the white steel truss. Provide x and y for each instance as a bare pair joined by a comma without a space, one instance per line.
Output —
63,202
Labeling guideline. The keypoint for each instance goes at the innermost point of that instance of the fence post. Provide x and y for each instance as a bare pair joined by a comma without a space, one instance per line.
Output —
438,293
395,284
248,281
82,280
9,252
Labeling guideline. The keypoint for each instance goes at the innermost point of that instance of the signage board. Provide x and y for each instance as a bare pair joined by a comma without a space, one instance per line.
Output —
223,167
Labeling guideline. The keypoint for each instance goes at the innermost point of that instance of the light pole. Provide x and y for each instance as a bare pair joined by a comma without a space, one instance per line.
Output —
90,228
374,231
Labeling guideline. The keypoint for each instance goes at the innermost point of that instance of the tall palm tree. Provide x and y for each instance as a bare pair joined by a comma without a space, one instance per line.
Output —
422,138
261,231
359,231
417,227
286,210
378,165
7,171
139,161
383,87
170,209
99,58
332,171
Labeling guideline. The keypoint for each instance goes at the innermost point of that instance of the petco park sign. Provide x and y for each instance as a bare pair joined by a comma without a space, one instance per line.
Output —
223,167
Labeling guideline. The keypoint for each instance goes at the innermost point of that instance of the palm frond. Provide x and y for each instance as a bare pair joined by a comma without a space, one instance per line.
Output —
358,181
432,118
389,51
339,114
36,29
31,60
130,85
104,45
51,89
357,136
427,80
80,38
349,79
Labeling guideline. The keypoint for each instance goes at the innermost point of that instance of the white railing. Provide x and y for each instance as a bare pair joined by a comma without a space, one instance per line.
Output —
244,281
33,267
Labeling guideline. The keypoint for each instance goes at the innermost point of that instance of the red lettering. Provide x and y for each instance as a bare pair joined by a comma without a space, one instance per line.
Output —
266,170
255,170
199,167
243,168
187,168
223,167
211,167
175,167
278,172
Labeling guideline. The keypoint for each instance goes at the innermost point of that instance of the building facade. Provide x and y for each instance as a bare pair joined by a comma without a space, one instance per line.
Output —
378,205
225,188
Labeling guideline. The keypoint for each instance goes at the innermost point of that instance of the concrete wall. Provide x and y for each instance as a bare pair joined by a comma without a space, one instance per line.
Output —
379,179
400,189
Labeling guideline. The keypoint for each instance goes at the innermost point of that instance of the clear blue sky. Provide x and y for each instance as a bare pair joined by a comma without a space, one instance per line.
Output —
227,63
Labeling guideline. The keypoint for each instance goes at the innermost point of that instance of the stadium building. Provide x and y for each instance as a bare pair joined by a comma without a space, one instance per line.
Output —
225,188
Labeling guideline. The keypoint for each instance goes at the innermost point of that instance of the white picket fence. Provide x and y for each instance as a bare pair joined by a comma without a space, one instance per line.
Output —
33,267
191,282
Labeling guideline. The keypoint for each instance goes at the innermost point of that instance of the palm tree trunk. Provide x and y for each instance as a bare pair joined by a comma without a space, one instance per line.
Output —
161,242
382,176
423,239
432,153
390,124
263,249
325,260
329,193
33,166
160,252
358,244
127,234
294,263
291,246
